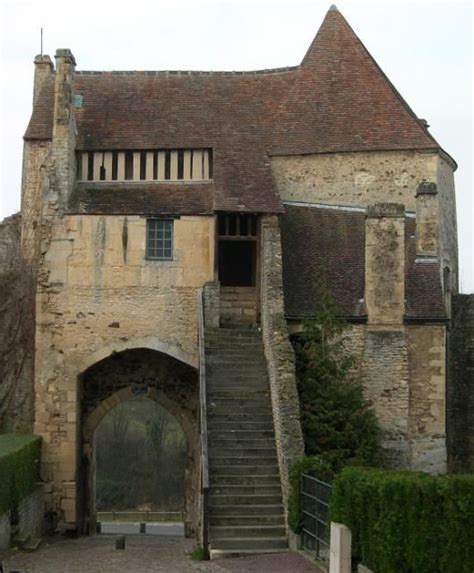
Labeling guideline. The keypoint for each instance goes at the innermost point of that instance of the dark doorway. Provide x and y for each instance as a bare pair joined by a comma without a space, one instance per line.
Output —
237,263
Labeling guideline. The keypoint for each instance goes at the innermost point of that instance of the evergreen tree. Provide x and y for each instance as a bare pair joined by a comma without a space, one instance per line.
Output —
337,421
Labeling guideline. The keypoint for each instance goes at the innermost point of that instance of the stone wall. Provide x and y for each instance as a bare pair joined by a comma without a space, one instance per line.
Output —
448,235
98,295
403,372
460,411
31,513
279,353
354,178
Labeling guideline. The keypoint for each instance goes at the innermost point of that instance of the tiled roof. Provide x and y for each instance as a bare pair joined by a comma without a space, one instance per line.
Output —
338,99
326,246
149,199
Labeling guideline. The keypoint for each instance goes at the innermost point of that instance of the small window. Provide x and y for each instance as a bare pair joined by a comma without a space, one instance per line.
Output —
159,239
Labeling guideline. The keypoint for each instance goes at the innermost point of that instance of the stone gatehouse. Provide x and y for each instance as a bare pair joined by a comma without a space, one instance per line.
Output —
140,188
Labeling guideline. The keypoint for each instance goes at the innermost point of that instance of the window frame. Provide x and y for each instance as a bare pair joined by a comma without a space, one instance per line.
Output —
148,248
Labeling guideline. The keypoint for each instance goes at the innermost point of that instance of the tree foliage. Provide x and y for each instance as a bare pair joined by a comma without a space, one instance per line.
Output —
337,421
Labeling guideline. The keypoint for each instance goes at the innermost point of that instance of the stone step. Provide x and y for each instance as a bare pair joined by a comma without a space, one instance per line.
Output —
242,553
33,544
262,411
253,543
241,452
229,433
21,539
258,402
246,490
239,417
241,443
237,510
244,396
231,459
242,387
233,520
239,499
239,531
244,470
220,480
236,426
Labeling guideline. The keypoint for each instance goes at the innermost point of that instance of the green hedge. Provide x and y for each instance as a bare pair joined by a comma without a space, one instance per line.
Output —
407,521
19,468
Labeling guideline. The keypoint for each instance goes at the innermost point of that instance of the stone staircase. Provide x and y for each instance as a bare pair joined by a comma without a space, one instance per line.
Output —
238,305
245,502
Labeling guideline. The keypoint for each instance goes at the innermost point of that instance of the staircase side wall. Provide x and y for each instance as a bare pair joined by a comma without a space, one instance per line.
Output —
279,355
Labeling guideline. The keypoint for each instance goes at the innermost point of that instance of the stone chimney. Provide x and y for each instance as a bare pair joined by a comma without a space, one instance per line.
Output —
65,66
385,263
64,133
43,70
427,219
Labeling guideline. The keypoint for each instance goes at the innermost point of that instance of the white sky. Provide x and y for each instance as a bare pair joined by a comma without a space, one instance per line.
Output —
424,47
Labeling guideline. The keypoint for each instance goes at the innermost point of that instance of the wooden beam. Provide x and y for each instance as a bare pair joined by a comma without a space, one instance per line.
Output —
149,166
174,166
136,166
121,166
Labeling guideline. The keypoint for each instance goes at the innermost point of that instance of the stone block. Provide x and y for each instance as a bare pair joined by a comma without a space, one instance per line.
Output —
340,551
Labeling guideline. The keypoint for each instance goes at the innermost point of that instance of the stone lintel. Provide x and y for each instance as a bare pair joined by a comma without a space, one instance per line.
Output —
427,188
382,210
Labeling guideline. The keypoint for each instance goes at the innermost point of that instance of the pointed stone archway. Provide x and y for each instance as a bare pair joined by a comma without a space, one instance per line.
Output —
119,377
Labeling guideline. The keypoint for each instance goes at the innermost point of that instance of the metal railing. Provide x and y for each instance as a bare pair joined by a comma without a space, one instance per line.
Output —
204,459
314,499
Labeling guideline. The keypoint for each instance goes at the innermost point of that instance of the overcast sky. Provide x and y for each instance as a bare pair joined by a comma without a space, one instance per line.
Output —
424,47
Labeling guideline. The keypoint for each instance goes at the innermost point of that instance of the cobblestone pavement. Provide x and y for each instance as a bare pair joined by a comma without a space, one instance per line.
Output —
143,554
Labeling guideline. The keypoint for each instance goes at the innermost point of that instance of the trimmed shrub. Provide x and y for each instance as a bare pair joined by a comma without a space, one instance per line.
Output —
19,468
407,521
315,466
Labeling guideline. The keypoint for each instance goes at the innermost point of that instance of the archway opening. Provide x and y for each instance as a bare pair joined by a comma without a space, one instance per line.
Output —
127,377
140,453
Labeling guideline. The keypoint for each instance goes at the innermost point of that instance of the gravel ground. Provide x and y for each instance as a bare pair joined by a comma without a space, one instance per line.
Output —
143,554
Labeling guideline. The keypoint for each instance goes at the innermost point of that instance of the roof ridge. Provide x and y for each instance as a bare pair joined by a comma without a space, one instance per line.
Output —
186,72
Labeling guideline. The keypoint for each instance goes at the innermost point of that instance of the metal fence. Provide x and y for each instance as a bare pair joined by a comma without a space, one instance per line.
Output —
314,498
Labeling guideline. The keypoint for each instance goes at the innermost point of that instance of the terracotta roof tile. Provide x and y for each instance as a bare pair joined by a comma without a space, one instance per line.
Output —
328,246
338,99
149,199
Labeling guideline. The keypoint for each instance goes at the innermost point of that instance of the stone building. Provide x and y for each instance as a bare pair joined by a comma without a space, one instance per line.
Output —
146,194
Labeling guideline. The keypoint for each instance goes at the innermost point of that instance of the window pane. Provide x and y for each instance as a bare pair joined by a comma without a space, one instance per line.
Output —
159,244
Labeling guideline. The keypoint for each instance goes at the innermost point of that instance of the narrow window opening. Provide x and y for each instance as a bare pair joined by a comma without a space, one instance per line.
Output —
114,165
211,165
168,164
232,225
128,165
90,166
155,165
142,165
180,164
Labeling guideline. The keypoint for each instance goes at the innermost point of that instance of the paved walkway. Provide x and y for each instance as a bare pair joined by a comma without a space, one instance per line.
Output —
143,554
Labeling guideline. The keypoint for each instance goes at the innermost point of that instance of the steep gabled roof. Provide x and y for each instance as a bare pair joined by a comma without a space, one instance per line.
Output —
337,99
342,101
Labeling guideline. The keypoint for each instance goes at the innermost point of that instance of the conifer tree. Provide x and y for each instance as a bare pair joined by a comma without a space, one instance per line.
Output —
338,422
